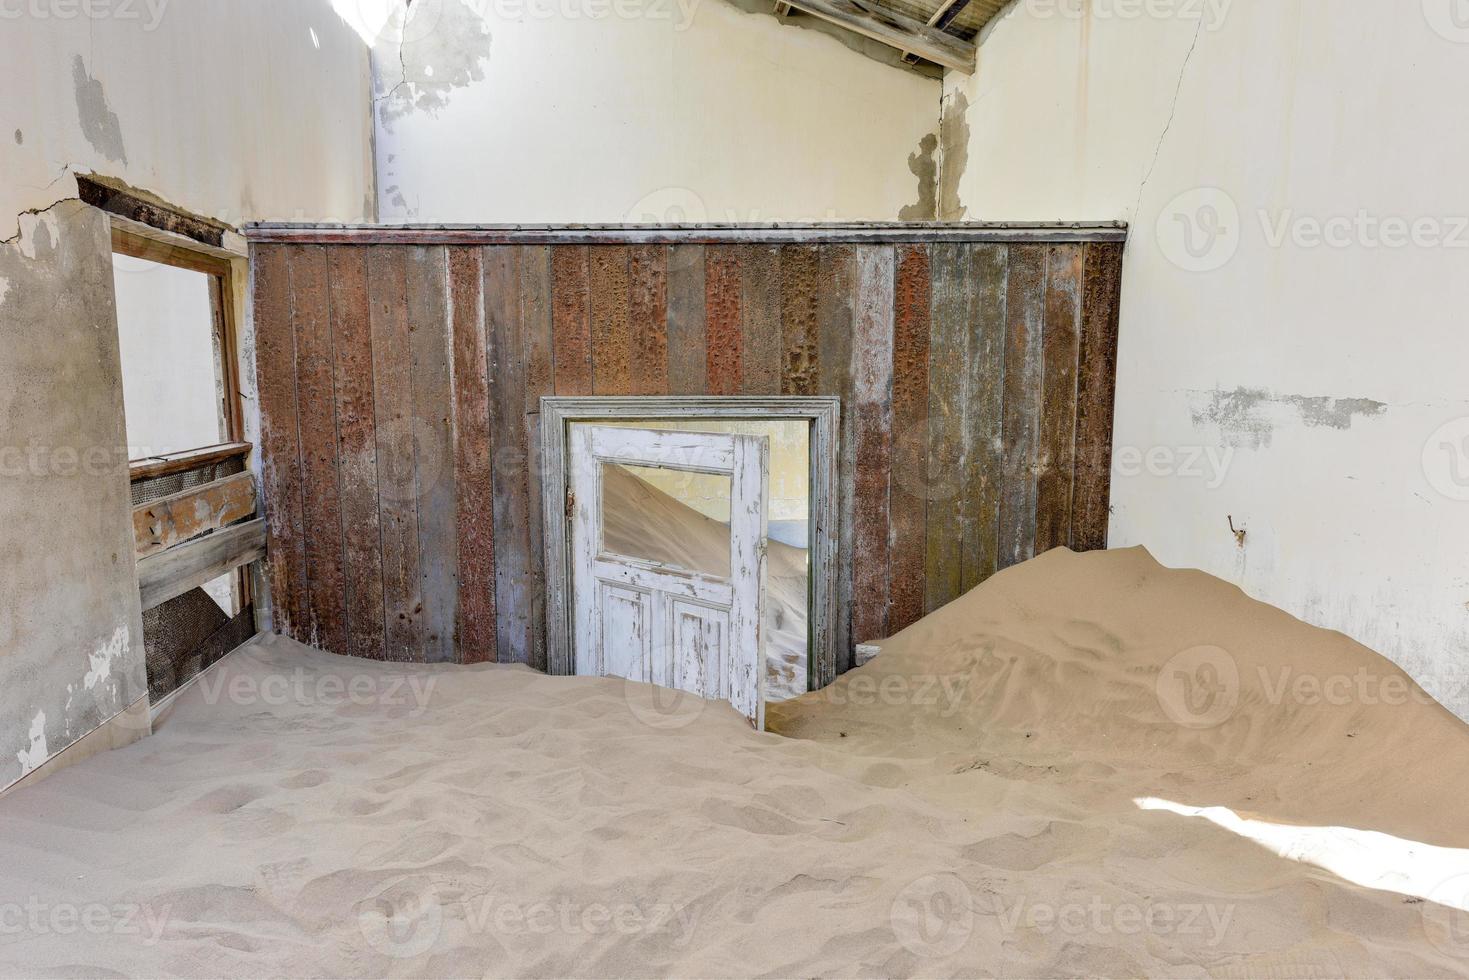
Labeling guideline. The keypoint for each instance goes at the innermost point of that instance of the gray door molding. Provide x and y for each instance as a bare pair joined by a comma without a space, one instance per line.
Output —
822,412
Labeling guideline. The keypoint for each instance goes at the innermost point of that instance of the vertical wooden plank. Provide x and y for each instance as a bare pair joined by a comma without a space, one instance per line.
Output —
357,450
612,341
909,494
474,500
872,382
687,346
1025,304
317,423
948,357
984,412
513,602
535,338
1096,395
835,317
397,451
724,348
280,450
760,308
647,269
1059,347
799,277
429,335
571,338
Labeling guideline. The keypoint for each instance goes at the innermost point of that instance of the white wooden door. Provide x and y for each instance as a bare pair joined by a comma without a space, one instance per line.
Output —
660,593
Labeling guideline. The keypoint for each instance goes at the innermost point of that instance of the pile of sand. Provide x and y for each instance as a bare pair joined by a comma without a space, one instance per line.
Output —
965,805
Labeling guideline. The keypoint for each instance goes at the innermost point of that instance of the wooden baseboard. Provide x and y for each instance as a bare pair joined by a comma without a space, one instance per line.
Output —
126,727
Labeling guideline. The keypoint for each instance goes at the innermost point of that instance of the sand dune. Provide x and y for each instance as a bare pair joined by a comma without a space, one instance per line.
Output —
980,800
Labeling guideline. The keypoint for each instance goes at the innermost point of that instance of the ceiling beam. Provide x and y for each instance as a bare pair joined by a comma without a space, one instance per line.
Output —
942,18
895,29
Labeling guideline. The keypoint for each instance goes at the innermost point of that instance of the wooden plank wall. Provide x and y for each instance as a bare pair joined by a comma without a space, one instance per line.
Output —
400,387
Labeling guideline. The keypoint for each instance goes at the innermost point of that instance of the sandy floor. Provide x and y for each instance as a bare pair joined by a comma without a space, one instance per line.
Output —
968,804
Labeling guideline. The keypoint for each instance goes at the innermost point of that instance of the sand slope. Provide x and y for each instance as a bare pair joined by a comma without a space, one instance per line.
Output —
963,806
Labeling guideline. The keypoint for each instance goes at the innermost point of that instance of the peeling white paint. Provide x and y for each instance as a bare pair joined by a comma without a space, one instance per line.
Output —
115,649
32,757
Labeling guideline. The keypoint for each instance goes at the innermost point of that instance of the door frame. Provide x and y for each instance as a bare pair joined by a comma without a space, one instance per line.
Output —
822,412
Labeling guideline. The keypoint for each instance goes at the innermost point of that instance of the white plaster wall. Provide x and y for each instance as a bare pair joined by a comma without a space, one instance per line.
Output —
1318,375
172,403
238,110
677,110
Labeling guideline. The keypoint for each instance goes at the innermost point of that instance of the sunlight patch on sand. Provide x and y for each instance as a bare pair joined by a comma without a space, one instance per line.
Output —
1364,857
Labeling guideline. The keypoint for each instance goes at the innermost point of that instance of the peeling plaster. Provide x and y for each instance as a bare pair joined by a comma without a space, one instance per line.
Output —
118,647
953,154
1248,417
32,757
99,123
923,166
449,54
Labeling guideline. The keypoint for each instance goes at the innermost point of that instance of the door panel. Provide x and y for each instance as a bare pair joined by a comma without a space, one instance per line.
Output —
662,592
626,633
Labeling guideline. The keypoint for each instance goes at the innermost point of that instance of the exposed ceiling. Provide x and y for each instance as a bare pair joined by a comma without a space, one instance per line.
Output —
936,32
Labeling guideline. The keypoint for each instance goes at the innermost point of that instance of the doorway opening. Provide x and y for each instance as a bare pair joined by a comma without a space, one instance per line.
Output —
653,533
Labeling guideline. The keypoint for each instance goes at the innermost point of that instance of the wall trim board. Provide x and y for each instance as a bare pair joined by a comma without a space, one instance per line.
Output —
858,233
824,414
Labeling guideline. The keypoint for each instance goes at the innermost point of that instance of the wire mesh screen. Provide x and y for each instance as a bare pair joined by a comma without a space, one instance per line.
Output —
188,634
157,487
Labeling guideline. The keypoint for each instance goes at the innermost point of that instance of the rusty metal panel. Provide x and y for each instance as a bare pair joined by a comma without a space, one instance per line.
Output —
474,502
909,493
571,327
722,314
1096,393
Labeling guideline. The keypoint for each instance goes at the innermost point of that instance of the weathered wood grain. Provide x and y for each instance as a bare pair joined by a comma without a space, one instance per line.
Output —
535,337
1059,346
908,507
687,349
474,489
612,336
872,384
984,412
169,574
835,316
397,439
161,524
647,270
357,450
724,343
321,487
1025,310
800,272
760,327
571,337
508,365
946,466
1096,394
429,334
280,449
